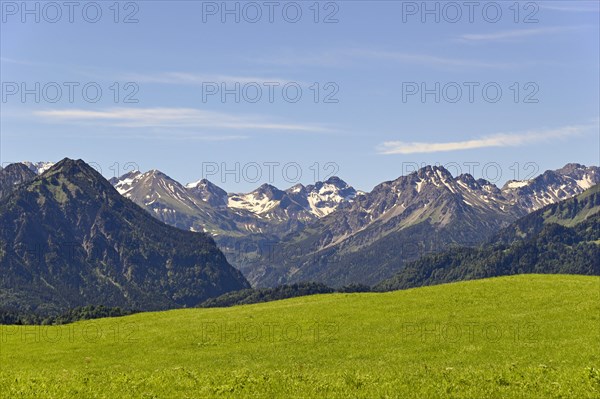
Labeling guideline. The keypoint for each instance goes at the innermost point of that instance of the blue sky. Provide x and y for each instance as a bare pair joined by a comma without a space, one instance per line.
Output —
371,61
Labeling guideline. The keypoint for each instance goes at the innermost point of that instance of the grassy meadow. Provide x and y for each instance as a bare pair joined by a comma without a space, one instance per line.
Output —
527,336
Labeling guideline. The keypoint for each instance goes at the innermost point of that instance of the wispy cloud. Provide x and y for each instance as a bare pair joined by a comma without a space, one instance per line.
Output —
495,140
430,60
186,78
293,59
570,6
174,118
516,34
342,58
15,61
172,77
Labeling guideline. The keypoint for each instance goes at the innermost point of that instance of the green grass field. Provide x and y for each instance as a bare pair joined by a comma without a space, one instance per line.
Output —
527,336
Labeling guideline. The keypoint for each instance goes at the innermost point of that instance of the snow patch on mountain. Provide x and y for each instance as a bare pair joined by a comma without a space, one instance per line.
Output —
586,182
255,203
38,167
517,183
126,182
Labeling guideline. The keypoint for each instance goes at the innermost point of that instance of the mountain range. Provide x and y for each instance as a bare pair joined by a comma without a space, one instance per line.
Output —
265,207
401,220
331,233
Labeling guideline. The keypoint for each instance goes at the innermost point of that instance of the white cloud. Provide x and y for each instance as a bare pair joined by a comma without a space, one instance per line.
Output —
495,140
174,118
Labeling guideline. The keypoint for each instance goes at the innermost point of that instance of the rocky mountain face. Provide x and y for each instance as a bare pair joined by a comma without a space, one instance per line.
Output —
396,222
245,225
208,192
560,238
584,207
13,175
551,186
68,238
322,198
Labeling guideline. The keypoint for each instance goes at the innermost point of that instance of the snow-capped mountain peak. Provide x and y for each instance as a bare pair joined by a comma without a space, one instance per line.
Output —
306,202
325,197
430,192
551,186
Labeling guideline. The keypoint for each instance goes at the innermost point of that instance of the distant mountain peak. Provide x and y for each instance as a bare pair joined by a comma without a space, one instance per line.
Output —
267,186
156,174
297,188
270,191
17,167
68,162
80,176
208,192
71,167
465,177
336,181
570,168
430,173
480,183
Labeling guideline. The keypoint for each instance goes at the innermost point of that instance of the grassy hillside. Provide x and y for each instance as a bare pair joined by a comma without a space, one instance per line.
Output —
511,337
